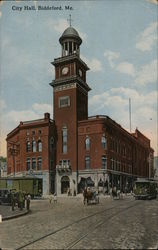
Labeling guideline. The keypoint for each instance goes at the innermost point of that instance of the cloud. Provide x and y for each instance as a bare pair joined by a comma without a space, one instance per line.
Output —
147,73
2,104
147,38
93,63
12,119
126,68
118,98
144,75
153,1
37,110
115,104
62,24
42,108
111,57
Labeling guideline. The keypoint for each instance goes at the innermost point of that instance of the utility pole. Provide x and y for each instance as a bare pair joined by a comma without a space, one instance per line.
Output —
130,114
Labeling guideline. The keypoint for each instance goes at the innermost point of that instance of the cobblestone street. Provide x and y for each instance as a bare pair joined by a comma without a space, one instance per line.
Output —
112,224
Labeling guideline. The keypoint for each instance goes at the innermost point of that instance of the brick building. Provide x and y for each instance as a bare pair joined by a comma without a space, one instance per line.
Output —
78,150
31,151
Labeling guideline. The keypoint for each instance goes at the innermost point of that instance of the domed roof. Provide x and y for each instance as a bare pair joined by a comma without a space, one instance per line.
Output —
70,32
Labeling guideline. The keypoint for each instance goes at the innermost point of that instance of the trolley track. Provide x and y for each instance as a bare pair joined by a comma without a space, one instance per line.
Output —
93,226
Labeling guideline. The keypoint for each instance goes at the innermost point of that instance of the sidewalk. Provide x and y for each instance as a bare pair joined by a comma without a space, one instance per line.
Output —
6,212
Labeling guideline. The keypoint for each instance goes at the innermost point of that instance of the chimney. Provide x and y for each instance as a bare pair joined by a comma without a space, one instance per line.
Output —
46,116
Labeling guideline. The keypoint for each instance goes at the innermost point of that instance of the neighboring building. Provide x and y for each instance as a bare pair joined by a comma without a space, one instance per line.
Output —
31,151
156,167
83,150
3,167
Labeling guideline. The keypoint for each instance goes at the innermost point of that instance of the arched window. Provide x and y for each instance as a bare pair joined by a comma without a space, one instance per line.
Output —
87,143
34,146
39,146
28,146
64,140
103,142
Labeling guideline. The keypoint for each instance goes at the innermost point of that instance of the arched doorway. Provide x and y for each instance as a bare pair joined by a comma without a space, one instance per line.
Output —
65,184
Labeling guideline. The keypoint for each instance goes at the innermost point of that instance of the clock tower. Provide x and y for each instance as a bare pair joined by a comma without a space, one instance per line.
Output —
70,96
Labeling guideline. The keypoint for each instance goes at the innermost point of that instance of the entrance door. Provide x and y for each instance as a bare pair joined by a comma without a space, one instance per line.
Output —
65,184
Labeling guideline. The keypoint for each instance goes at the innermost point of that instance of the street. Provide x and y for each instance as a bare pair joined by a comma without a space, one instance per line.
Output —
111,224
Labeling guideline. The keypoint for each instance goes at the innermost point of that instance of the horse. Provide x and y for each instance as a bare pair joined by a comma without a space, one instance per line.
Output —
87,194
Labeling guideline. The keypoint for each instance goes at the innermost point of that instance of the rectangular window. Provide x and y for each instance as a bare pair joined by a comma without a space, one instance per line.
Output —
87,162
39,163
64,101
33,132
28,164
28,146
104,162
33,163
112,163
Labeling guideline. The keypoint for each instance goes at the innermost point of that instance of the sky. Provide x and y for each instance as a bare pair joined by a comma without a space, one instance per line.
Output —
119,46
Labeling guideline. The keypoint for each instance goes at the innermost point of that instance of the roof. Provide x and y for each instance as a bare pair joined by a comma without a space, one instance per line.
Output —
70,32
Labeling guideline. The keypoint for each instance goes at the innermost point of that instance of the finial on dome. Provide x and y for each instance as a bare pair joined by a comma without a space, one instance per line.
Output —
70,19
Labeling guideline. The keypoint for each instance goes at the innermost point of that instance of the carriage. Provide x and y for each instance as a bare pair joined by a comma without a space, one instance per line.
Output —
145,189
90,196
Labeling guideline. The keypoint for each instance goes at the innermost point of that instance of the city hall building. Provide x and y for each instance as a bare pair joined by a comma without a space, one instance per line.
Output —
74,150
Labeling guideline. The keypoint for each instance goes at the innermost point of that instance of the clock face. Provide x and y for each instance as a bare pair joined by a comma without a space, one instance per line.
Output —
80,72
65,70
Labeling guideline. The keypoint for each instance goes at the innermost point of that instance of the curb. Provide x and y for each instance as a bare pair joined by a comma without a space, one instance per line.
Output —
14,216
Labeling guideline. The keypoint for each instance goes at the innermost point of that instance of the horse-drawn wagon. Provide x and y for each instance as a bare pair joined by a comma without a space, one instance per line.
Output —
90,196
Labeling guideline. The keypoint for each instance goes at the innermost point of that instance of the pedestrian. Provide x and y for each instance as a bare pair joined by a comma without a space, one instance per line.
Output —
50,198
21,200
12,201
55,198
28,200
111,192
84,195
